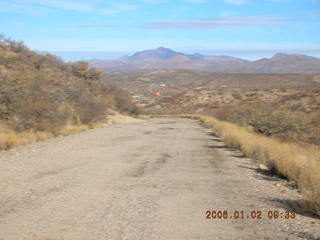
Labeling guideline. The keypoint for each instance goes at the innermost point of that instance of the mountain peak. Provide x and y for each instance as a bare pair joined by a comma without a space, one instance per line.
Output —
279,55
164,49
158,53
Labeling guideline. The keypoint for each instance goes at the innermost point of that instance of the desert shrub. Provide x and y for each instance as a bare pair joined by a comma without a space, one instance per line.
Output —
90,110
223,113
123,101
276,121
83,70
236,95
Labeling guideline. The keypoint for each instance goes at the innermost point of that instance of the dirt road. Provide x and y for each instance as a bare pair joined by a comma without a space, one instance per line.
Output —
150,180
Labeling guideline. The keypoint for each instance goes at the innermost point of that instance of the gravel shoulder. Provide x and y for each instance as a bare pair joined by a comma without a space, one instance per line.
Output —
153,179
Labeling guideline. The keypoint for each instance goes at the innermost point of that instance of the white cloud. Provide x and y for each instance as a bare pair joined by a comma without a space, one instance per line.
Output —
279,1
153,1
120,8
236,2
213,23
68,5
197,1
22,8
43,7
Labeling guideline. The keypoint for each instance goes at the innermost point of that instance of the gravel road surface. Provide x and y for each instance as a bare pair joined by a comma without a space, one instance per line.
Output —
151,180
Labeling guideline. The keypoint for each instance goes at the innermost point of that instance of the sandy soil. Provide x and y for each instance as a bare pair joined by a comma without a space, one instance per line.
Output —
150,180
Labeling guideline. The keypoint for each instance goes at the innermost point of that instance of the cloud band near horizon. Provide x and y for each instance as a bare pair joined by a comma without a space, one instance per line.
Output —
199,23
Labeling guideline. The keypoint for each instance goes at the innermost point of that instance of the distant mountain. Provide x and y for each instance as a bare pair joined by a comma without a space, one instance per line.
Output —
279,63
156,54
167,59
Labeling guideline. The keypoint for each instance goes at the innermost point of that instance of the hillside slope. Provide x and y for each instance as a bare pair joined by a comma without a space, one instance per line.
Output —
42,93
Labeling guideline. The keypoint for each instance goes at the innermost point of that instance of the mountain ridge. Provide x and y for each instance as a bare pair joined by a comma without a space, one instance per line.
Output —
167,59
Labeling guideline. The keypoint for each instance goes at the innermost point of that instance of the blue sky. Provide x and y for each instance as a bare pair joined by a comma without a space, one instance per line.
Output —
205,26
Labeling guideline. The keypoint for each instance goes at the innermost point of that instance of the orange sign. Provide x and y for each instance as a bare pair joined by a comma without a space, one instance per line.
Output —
158,94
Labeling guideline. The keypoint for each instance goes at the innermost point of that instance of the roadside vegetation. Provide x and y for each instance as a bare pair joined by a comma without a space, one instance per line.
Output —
41,96
300,164
277,121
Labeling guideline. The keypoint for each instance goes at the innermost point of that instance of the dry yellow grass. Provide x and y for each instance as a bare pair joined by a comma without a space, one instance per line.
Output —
73,129
297,163
10,139
143,117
